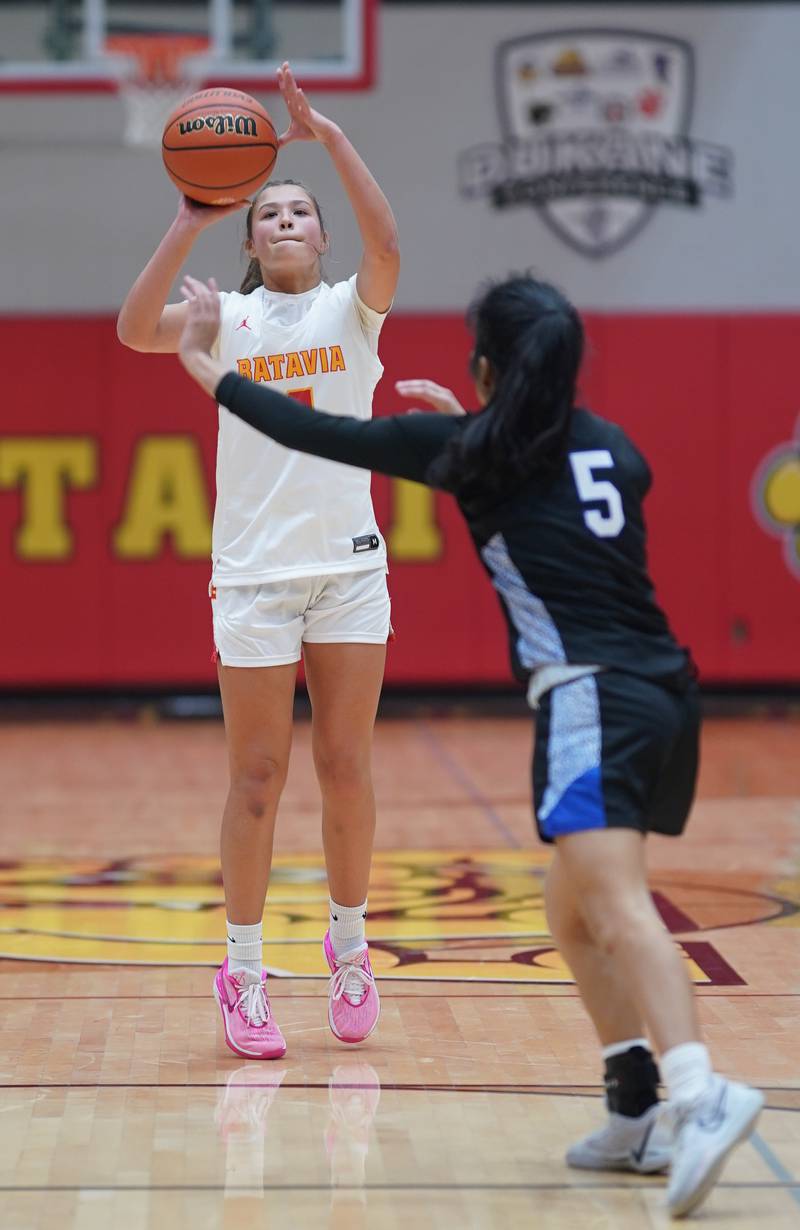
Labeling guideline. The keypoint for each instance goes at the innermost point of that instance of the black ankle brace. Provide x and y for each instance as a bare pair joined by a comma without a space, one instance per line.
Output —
631,1082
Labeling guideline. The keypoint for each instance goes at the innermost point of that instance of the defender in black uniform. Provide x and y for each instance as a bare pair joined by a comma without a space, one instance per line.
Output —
553,496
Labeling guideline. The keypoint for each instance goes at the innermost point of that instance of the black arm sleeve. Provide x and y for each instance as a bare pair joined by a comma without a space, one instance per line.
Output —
402,446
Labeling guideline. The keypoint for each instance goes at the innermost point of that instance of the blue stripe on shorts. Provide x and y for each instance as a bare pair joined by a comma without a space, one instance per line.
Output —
580,807
573,800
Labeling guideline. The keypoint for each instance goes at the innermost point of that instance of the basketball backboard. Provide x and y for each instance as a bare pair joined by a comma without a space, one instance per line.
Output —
84,46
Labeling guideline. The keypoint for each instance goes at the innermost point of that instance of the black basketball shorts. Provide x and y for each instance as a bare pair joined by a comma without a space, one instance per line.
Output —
615,751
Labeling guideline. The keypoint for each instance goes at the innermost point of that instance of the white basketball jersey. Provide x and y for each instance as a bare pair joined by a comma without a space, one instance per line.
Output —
283,514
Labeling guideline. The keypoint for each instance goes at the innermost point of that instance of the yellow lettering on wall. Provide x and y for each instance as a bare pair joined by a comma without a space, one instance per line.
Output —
166,495
46,467
414,536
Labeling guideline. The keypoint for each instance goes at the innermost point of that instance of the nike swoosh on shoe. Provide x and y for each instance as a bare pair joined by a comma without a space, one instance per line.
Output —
638,1154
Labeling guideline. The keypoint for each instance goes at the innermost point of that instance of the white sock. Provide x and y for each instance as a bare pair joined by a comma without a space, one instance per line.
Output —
244,947
686,1070
347,926
619,1048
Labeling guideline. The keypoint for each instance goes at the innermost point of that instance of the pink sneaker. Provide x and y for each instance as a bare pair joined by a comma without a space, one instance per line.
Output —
353,1002
250,1028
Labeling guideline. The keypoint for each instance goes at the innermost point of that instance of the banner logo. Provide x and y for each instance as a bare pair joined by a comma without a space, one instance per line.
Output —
776,498
595,135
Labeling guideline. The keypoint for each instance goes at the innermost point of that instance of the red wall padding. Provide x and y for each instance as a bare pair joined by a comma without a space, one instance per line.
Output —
707,398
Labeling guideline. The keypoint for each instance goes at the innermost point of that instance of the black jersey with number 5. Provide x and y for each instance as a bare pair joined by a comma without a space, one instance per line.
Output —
566,553
568,556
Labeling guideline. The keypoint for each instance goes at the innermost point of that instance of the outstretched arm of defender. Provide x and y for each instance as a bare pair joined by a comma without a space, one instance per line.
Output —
402,446
201,325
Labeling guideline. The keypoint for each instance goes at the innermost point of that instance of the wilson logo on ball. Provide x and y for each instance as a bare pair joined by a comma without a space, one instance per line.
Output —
242,125
219,146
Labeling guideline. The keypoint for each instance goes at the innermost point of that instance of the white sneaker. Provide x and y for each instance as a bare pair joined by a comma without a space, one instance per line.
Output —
643,1145
706,1132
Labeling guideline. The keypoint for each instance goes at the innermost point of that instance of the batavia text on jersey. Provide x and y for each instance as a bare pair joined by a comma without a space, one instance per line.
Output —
293,363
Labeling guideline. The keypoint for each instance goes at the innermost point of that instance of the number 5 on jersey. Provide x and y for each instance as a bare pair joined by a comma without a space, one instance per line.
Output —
606,522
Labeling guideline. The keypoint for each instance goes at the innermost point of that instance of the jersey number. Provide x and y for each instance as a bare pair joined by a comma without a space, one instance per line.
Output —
306,396
608,521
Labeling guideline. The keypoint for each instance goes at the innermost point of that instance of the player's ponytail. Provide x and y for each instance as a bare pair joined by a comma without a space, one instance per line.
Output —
533,339
253,277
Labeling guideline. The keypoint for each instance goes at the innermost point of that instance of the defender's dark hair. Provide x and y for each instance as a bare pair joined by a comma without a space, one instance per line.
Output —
533,338
252,277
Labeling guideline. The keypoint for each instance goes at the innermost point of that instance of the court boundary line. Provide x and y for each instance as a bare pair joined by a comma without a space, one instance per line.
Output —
701,992
643,1183
532,1089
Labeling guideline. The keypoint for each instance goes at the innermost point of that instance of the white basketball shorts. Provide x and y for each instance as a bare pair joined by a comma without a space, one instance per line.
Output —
266,625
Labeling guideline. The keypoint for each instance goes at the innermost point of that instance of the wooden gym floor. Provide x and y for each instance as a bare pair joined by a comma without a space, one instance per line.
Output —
119,1105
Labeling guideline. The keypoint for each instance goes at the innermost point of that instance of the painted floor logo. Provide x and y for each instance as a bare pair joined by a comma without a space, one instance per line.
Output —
595,128
453,916
776,497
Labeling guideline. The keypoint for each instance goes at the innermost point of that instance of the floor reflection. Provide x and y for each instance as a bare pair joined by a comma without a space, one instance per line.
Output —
242,1116
354,1092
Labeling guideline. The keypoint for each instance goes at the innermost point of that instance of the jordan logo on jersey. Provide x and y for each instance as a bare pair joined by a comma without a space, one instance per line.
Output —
243,325
320,360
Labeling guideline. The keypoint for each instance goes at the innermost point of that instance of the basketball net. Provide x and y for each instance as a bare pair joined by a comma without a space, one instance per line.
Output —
159,83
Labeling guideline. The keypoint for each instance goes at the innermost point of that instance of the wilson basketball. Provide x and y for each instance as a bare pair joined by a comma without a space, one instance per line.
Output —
219,146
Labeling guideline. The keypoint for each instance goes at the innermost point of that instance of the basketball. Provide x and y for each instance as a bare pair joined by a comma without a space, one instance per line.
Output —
219,146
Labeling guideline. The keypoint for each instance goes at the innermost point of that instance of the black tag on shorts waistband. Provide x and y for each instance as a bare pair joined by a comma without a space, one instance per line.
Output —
366,542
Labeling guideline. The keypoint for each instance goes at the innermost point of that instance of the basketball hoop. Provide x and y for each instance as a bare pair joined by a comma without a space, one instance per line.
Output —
158,84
